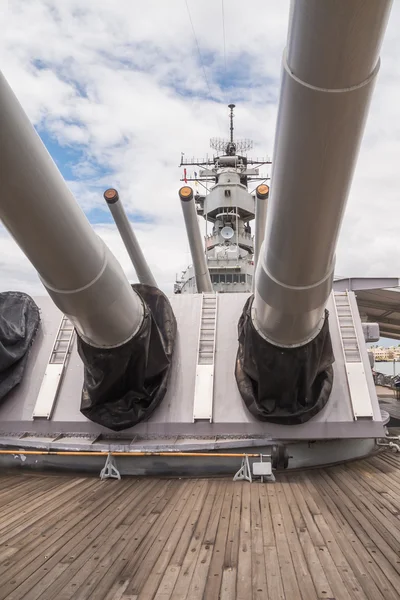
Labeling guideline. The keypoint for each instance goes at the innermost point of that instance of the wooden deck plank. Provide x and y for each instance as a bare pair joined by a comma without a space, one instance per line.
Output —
37,508
228,585
13,489
158,558
26,543
289,579
39,532
301,532
167,584
86,559
149,509
16,510
259,576
369,525
373,505
187,534
244,591
274,577
306,577
233,539
63,542
322,534
393,461
272,569
154,534
339,571
211,506
370,471
214,578
355,564
139,538
45,523
266,520
377,489
199,578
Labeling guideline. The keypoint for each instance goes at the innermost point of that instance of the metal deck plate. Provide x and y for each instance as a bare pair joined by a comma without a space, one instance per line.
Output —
174,417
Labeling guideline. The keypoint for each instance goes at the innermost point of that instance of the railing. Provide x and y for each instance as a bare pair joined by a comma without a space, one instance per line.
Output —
246,239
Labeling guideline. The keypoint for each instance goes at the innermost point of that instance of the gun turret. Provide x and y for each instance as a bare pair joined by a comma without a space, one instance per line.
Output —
126,334
284,364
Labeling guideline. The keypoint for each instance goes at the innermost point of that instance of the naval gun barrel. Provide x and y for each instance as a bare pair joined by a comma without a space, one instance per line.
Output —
128,236
329,70
79,272
202,274
262,192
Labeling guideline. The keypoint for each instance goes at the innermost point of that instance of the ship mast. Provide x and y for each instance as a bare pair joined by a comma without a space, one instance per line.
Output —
230,209
231,106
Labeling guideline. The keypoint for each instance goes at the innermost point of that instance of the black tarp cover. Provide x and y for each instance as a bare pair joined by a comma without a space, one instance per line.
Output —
122,386
287,386
19,321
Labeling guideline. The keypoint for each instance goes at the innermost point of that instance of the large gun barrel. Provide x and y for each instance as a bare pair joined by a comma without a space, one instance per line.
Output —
202,274
81,275
262,193
329,70
128,236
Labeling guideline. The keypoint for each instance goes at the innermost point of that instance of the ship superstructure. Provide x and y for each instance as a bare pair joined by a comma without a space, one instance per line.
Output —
229,209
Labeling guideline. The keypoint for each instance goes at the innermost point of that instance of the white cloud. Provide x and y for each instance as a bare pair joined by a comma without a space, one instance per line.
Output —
122,82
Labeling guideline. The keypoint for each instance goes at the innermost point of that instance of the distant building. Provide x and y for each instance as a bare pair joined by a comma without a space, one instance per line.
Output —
386,354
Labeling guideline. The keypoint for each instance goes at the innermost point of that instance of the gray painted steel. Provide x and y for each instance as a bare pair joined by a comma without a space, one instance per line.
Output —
304,454
238,199
378,300
78,270
174,417
383,307
329,70
202,274
132,246
260,221
356,284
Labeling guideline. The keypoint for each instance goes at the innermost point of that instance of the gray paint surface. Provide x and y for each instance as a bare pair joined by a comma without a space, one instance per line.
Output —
175,414
303,455
354,284
131,243
328,72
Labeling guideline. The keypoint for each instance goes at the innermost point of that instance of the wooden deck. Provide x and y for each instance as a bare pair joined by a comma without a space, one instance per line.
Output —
317,534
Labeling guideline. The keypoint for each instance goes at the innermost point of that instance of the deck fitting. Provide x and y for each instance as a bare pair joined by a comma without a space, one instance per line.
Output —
110,471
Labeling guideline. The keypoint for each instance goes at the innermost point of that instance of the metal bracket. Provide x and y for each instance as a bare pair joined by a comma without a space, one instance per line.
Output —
244,471
264,469
389,443
110,471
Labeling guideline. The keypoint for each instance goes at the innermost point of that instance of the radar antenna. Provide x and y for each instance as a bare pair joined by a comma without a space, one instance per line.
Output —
231,147
231,106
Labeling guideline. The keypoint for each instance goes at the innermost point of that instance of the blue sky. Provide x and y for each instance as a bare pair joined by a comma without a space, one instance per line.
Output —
65,157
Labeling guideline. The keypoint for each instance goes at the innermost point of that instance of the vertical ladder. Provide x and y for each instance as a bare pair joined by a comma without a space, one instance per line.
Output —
204,386
356,377
59,354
